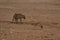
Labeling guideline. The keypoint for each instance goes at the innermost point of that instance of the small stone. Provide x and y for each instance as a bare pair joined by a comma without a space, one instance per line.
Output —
41,26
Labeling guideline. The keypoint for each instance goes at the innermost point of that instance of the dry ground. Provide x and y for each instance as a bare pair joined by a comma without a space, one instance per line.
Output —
43,13
29,31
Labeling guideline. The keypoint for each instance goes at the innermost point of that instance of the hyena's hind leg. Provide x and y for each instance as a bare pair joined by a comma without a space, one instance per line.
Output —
14,20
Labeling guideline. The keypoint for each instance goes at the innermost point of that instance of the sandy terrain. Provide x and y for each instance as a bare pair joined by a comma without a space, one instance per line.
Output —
40,13
29,31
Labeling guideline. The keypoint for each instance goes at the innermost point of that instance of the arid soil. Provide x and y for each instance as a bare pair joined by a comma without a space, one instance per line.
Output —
43,13
31,31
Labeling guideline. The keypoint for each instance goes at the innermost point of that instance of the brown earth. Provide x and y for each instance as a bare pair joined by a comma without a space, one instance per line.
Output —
46,14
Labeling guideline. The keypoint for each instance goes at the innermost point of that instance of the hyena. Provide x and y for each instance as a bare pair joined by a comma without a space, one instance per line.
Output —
18,16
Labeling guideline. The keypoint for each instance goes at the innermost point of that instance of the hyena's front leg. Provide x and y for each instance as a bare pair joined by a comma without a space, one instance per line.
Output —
21,20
